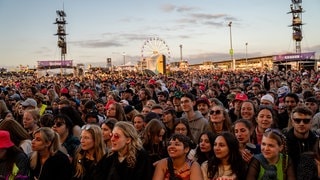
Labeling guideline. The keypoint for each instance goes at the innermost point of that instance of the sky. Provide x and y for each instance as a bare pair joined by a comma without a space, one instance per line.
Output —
119,30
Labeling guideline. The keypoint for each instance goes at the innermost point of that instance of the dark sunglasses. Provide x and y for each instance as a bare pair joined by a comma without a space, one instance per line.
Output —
59,124
215,112
298,120
114,135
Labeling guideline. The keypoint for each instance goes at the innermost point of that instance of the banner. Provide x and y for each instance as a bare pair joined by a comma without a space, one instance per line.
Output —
65,63
294,56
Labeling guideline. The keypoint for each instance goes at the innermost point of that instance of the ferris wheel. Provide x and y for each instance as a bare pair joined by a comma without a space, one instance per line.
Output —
154,46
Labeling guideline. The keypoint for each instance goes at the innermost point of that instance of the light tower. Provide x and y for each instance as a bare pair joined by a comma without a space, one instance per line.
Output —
296,11
61,33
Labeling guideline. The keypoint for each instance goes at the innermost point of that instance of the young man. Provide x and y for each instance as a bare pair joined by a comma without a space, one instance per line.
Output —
197,122
300,138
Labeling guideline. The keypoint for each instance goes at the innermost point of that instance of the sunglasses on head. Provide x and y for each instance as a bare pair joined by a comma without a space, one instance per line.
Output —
298,120
86,127
59,124
275,131
215,112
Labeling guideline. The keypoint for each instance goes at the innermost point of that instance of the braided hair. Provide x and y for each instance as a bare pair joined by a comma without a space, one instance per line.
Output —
281,140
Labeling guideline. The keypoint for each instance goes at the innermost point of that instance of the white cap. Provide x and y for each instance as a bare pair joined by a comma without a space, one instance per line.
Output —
268,97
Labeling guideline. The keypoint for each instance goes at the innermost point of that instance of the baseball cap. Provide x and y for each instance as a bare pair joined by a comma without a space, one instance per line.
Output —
29,102
202,100
241,97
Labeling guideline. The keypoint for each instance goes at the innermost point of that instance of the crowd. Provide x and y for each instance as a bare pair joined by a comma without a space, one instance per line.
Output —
218,125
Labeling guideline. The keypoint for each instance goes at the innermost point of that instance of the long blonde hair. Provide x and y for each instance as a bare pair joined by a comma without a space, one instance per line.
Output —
48,136
134,146
99,149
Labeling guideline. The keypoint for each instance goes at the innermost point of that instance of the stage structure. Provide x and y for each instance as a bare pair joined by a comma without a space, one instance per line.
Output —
296,11
61,33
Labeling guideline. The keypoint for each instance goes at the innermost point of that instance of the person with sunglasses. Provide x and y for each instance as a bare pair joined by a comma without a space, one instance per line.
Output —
300,138
219,120
127,158
63,126
90,151
273,162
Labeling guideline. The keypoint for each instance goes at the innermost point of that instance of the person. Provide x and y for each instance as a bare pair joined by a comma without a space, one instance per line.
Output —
219,120
18,134
203,106
291,101
204,150
30,120
309,164
139,124
227,161
243,129
14,163
265,119
107,127
154,140
273,162
181,126
63,126
90,151
300,138
116,110
248,111
177,165
234,112
196,121
127,158
47,162
169,116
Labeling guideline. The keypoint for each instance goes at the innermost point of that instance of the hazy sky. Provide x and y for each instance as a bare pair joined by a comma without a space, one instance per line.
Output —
100,29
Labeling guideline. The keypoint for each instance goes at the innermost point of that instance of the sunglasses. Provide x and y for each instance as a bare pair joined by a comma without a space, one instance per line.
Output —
59,124
215,112
115,136
298,120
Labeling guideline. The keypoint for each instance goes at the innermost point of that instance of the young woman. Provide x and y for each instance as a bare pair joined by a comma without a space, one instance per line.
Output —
227,161
14,163
30,120
219,120
139,124
116,110
107,127
265,119
248,111
243,129
91,150
169,116
181,126
177,165
154,140
273,161
204,150
18,134
127,158
47,162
